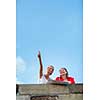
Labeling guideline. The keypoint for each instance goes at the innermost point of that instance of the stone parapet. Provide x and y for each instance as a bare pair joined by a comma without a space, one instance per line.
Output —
49,92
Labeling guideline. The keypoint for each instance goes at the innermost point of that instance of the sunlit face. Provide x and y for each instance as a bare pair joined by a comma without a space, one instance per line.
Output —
50,70
62,71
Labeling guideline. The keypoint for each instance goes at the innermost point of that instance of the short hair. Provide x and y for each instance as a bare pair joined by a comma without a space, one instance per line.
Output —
51,66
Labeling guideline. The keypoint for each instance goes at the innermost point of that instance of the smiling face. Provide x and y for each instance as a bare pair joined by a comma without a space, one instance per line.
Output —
63,71
50,70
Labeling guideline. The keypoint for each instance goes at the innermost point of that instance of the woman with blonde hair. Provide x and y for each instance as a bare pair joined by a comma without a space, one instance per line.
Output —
44,78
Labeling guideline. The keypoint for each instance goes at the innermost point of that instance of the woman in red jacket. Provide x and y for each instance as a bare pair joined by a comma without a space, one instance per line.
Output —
64,76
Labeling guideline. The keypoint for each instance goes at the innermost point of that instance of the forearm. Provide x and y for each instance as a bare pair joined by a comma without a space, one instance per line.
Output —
41,66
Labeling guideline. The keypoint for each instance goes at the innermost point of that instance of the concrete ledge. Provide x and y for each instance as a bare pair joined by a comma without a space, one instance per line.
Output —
75,88
23,97
49,89
71,97
49,92
42,89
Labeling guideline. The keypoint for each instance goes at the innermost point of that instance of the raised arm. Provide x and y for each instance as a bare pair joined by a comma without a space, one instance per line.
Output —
41,66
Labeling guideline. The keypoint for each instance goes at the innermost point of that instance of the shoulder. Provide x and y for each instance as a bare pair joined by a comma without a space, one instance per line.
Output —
43,76
57,78
43,80
70,78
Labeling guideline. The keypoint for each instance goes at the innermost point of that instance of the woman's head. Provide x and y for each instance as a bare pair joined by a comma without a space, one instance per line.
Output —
63,71
50,69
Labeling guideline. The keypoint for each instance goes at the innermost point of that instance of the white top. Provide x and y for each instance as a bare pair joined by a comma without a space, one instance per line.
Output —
43,80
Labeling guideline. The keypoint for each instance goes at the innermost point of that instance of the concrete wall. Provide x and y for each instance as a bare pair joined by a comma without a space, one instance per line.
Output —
49,92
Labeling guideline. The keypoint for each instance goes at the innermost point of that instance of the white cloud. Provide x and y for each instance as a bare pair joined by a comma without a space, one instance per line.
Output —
20,65
20,69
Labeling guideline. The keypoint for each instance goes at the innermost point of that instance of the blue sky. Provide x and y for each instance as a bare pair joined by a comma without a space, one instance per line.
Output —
55,28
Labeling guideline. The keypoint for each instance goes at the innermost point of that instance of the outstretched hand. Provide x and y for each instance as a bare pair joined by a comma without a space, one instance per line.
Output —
39,55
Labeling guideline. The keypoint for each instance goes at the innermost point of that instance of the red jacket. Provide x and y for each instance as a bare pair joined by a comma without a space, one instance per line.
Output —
71,79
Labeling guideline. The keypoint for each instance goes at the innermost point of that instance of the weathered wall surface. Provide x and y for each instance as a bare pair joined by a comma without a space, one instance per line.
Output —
49,92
